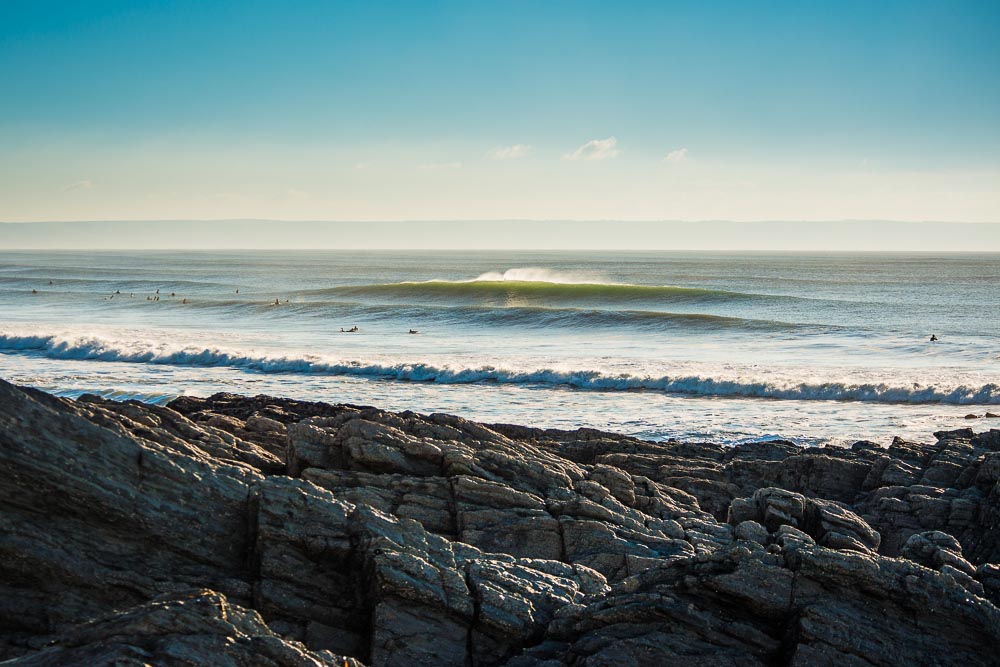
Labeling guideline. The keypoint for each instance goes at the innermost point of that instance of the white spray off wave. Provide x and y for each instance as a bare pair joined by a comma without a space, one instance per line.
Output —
531,274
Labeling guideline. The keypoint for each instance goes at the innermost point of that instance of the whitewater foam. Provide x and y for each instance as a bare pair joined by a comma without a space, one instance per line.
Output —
92,348
659,344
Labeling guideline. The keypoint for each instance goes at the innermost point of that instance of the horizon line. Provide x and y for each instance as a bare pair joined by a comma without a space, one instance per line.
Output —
746,251
495,220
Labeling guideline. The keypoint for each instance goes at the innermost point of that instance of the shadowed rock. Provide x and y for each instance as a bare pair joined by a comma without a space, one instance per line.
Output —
178,629
234,530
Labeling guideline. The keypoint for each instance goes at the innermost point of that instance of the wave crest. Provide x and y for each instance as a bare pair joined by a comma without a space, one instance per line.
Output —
523,293
93,348
529,274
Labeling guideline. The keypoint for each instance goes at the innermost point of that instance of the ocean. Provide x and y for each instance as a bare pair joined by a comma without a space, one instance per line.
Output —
725,347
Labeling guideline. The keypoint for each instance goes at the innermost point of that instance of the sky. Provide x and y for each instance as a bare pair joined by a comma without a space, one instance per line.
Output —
504,235
536,110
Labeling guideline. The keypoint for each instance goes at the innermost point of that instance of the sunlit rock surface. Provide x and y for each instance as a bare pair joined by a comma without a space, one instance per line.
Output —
265,531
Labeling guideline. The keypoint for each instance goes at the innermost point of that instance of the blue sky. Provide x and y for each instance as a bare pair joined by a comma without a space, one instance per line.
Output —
407,110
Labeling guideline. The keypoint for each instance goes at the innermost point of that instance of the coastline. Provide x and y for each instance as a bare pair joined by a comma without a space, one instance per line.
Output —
280,532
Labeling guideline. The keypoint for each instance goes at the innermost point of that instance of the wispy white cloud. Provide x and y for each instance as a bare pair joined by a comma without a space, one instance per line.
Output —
440,165
675,156
79,185
596,149
509,152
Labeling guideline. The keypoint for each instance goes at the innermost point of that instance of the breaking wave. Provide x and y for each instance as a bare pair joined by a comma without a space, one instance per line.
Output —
533,292
541,275
145,352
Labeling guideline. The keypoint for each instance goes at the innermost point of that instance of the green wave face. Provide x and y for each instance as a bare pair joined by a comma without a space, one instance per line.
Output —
513,293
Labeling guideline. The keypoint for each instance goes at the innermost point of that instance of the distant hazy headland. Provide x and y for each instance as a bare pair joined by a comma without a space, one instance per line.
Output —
502,235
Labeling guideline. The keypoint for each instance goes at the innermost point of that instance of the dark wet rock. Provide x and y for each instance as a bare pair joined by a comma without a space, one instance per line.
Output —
752,531
96,517
468,483
219,438
988,574
738,607
935,549
989,440
865,446
256,530
956,434
178,630
825,521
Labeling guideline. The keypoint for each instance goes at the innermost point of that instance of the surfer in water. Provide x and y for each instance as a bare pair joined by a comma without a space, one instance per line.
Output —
413,331
934,338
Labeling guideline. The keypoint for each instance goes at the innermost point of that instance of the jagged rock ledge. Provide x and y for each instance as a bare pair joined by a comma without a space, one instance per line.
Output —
265,531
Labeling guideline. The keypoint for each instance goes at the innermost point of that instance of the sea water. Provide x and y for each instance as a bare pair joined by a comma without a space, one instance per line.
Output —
724,347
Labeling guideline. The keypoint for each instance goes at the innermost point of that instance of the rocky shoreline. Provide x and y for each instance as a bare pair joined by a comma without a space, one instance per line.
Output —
263,531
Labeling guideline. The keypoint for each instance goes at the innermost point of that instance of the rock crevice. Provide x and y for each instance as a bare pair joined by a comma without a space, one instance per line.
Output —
256,530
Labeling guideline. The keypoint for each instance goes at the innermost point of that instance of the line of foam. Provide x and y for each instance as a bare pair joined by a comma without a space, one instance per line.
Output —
92,348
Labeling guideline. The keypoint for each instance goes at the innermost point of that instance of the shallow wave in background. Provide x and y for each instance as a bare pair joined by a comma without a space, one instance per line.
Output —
519,316
516,292
495,315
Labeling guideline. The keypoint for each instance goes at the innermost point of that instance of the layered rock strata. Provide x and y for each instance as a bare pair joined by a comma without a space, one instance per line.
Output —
244,531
